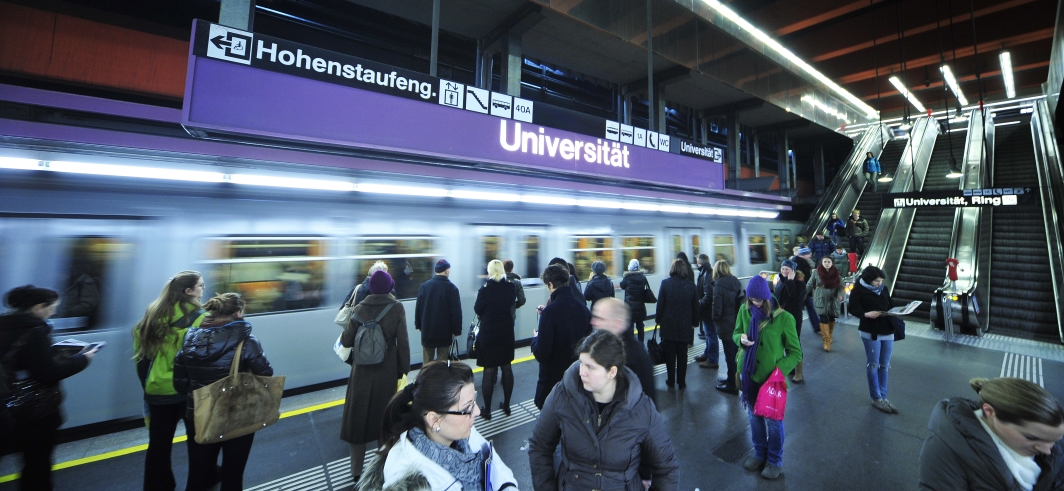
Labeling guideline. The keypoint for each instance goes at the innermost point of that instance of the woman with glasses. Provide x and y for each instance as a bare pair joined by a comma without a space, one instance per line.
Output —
428,441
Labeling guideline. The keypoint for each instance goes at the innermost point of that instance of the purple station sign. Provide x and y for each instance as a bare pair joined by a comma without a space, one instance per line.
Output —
242,83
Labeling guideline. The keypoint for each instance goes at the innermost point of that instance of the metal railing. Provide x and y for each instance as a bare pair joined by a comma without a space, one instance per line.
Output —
1050,185
849,182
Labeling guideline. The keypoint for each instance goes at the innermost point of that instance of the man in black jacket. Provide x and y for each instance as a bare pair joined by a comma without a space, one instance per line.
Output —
807,266
438,314
611,314
711,357
562,323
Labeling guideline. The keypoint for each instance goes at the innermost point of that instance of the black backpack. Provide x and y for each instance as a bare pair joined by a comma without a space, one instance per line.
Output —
369,346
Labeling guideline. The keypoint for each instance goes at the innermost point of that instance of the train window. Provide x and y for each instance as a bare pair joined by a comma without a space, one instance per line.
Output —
272,274
411,260
696,245
758,249
641,248
82,291
531,245
492,248
586,250
724,248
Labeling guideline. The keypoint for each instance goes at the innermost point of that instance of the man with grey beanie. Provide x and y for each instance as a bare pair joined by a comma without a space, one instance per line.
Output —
598,285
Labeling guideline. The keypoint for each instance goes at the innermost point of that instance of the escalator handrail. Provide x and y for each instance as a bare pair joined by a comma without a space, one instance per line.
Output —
873,136
1050,179
972,164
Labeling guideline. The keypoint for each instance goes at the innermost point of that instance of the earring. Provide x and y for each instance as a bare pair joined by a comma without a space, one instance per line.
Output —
437,428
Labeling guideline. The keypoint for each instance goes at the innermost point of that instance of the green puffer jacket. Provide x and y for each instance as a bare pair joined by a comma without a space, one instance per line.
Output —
157,375
778,344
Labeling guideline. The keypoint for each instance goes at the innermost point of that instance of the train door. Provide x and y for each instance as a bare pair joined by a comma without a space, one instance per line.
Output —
687,240
522,244
782,246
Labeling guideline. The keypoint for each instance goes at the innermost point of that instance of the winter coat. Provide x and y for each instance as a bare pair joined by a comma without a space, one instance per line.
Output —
841,261
864,300
600,286
777,343
157,374
370,387
960,454
678,310
601,450
208,352
638,361
438,312
405,468
574,285
495,343
726,293
837,227
704,289
516,280
563,323
26,344
857,228
791,296
634,285
871,164
826,300
806,266
821,248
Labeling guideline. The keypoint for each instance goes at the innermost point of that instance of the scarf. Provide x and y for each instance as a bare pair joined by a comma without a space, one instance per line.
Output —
830,277
459,460
748,394
876,290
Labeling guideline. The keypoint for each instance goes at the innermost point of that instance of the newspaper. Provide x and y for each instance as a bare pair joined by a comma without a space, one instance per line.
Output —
70,347
906,310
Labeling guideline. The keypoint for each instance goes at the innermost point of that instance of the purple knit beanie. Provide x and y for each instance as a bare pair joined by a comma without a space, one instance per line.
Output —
380,282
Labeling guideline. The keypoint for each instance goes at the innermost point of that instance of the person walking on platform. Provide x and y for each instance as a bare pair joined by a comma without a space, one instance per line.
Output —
868,302
677,317
704,289
871,171
804,259
428,442
599,285
726,292
156,340
370,387
841,260
827,291
613,432
791,294
515,278
574,284
1011,438
206,357
438,314
821,246
495,343
857,231
770,341
26,347
635,289
562,322
361,290
611,315
836,228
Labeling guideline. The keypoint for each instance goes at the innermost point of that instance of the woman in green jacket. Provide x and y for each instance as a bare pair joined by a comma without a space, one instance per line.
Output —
156,340
772,345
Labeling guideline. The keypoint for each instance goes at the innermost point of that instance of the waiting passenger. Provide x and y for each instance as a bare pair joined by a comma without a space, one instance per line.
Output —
206,358
769,341
677,318
1009,439
562,322
599,285
868,301
612,315
804,259
791,294
574,284
871,171
836,228
157,338
841,260
26,346
857,231
438,314
611,428
361,290
370,387
726,292
821,246
428,441
687,262
516,280
704,289
635,286
495,343
827,291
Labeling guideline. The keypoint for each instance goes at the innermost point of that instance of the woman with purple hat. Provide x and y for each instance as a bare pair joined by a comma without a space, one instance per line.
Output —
769,341
370,387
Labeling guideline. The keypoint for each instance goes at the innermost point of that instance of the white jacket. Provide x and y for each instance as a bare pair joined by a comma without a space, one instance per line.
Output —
404,459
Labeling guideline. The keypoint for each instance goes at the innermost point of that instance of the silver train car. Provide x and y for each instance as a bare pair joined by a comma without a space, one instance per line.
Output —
108,245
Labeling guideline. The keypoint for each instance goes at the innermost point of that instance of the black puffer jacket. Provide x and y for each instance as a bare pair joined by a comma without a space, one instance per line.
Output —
791,296
726,292
208,353
31,338
600,286
601,450
634,285
704,286
438,312
864,300
678,309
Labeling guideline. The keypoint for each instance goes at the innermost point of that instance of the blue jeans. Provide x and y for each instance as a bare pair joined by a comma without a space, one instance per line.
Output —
712,348
767,435
814,319
878,355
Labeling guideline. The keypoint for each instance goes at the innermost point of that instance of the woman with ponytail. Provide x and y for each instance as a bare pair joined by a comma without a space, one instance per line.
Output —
428,442
156,340
770,341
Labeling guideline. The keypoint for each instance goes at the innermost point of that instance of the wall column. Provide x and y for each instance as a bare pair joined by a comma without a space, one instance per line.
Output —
238,14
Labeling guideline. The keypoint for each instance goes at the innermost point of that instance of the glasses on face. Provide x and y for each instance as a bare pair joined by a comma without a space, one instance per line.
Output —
467,411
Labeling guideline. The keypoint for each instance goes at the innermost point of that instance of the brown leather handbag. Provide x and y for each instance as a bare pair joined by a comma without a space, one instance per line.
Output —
237,405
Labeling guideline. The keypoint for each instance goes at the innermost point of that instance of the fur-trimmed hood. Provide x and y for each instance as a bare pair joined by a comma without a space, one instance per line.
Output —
404,468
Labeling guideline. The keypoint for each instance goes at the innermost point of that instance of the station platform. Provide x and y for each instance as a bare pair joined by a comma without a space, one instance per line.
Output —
835,439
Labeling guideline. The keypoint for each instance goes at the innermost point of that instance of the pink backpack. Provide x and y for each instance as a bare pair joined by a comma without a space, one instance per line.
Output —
772,398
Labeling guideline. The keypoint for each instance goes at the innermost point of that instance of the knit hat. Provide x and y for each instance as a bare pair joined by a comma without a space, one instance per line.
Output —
381,282
598,267
633,265
442,265
805,250
758,288
790,264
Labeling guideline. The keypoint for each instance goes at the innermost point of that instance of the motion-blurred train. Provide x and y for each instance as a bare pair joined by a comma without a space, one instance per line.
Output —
109,244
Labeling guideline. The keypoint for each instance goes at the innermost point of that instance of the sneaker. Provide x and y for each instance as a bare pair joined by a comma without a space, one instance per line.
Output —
881,404
893,408
771,472
707,364
753,464
701,358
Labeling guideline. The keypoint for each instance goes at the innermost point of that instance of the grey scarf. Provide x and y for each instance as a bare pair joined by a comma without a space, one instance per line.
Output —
459,460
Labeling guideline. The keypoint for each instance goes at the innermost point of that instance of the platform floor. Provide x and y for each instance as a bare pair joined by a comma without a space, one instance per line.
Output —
835,439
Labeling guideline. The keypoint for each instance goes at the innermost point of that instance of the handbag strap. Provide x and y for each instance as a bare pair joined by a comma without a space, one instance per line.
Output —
236,359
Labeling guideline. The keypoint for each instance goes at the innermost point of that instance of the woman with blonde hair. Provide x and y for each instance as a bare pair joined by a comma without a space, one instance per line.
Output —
726,292
495,343
156,340
1009,439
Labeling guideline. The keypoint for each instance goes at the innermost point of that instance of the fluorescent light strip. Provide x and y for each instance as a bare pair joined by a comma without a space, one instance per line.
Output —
548,200
1006,73
483,195
20,164
112,170
952,82
824,107
908,95
595,203
291,182
401,190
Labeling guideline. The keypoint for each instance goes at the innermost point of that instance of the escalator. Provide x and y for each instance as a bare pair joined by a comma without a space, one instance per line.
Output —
1021,288
870,204
923,264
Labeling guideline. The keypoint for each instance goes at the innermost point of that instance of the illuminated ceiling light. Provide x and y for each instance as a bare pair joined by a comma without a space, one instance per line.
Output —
290,182
20,164
640,206
548,200
484,195
1006,73
824,107
401,190
132,171
908,95
675,209
598,203
953,85
786,53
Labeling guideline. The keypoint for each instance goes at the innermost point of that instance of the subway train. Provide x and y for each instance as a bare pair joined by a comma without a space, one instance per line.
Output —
108,245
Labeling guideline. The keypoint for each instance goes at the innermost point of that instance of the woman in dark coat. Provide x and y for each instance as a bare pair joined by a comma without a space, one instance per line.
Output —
612,429
791,293
678,317
868,301
370,387
634,285
495,343
726,292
